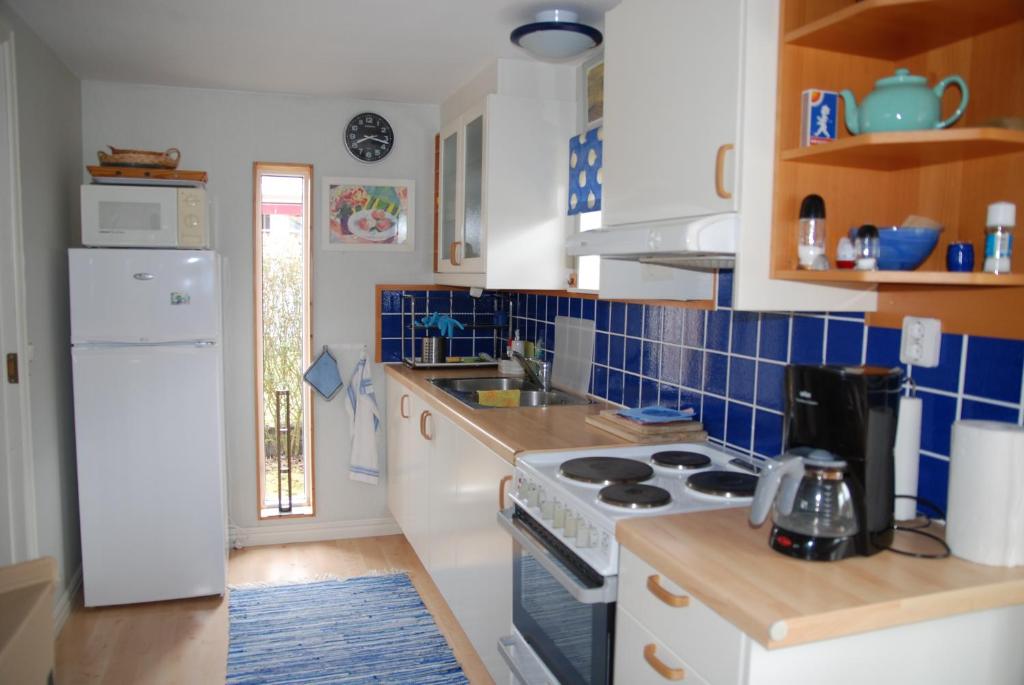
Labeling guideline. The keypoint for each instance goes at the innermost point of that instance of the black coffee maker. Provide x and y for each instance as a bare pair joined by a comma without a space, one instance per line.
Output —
840,424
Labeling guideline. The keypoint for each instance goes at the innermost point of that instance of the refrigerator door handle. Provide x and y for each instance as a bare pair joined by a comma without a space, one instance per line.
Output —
142,276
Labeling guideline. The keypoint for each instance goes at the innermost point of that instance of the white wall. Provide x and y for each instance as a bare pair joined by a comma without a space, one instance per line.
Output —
223,133
49,137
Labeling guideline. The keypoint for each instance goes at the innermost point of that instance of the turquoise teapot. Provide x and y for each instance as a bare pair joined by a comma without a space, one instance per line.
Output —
902,102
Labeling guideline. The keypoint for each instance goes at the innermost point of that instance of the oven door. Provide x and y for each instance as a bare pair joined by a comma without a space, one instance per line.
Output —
564,610
129,216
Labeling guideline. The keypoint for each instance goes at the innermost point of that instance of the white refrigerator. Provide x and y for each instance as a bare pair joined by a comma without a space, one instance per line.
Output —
149,423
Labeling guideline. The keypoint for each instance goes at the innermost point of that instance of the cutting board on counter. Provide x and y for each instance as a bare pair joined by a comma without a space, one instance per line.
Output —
650,434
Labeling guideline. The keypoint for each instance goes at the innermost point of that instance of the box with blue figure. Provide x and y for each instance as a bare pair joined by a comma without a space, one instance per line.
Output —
819,110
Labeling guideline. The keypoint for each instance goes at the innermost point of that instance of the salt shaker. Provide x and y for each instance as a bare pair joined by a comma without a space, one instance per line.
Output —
811,239
866,248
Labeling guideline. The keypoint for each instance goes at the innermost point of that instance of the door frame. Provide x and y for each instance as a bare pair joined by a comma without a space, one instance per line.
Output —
16,450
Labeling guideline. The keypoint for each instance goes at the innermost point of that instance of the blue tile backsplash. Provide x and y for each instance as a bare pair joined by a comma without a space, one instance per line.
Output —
729,366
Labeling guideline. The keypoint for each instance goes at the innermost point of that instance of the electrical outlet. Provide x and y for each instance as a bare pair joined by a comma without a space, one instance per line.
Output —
919,344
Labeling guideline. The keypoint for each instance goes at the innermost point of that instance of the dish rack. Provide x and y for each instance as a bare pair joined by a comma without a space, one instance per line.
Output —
499,322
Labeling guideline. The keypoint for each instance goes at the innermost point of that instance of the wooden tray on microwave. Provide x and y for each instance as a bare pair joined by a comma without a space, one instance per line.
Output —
120,174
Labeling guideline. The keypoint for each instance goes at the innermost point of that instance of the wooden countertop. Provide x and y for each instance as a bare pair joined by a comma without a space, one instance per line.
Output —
510,431
780,601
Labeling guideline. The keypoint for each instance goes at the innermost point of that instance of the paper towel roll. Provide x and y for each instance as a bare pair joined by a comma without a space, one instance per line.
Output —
985,517
907,457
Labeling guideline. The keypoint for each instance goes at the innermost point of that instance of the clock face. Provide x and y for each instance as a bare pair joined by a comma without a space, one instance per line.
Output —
369,137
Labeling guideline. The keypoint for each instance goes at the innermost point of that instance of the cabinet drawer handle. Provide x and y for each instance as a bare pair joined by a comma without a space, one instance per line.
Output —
454,253
720,190
658,665
656,589
402,406
505,480
423,425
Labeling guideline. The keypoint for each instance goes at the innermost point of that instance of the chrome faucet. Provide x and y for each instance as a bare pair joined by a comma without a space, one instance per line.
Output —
538,371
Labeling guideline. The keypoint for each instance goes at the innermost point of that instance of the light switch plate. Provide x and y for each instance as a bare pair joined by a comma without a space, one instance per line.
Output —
919,344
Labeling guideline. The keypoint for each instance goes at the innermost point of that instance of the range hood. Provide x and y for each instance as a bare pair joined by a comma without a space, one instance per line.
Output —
701,242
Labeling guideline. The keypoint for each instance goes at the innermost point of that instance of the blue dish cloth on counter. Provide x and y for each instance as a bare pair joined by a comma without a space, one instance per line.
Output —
658,414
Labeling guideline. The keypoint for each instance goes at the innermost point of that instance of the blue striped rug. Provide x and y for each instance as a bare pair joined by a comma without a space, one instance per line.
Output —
372,629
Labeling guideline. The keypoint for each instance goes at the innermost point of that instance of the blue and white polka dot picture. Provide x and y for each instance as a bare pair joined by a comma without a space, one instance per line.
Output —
585,158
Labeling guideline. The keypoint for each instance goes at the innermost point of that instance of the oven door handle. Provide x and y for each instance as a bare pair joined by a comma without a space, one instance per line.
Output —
580,592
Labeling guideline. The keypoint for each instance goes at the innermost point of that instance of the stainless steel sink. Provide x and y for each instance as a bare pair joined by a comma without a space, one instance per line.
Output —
474,384
530,395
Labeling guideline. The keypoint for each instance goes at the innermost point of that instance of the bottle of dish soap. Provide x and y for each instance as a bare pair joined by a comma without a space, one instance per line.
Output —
999,237
518,345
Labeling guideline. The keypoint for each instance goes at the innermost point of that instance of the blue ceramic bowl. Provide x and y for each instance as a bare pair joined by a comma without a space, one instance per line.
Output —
903,248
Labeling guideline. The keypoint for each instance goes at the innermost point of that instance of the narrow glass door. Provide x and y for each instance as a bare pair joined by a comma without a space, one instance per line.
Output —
474,194
447,215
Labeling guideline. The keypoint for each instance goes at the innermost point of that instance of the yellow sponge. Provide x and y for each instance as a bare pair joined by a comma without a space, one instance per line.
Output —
498,398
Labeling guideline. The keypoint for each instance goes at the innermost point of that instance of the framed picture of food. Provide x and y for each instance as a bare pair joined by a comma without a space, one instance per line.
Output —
369,214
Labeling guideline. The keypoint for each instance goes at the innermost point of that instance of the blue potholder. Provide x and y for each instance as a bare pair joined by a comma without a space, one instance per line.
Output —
323,374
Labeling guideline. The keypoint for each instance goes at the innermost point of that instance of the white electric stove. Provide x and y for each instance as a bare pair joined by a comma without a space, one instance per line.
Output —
566,558
578,496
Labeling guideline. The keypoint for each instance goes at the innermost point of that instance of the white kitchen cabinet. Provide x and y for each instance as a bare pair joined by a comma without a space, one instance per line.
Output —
443,487
677,631
689,130
503,185
671,109
483,602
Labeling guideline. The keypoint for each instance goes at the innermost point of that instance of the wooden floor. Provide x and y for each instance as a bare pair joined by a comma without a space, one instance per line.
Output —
186,641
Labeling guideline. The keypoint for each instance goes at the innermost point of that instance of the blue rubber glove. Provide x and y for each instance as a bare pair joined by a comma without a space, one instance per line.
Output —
447,325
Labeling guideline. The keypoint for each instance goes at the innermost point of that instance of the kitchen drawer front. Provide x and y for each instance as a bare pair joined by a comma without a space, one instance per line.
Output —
711,644
636,663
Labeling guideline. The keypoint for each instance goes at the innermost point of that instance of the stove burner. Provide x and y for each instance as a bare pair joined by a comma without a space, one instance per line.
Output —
605,470
723,483
634,496
680,460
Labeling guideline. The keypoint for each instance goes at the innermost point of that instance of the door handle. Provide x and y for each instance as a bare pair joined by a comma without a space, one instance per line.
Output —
720,190
673,600
423,425
12,368
505,480
401,406
454,253
663,669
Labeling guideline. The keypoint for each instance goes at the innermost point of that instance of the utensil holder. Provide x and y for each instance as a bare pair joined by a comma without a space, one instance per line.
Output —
435,349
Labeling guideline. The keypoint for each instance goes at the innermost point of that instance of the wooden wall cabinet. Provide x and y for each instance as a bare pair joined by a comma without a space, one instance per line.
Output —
950,175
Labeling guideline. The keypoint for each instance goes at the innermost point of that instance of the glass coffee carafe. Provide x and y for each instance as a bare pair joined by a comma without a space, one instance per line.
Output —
812,506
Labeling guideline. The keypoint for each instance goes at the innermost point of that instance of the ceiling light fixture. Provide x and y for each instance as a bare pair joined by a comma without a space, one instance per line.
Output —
556,35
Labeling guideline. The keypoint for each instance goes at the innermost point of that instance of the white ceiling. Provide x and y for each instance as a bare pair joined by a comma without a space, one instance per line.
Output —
397,50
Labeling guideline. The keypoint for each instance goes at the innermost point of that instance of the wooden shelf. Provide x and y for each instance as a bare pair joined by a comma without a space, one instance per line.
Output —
896,29
905,277
906,150
108,174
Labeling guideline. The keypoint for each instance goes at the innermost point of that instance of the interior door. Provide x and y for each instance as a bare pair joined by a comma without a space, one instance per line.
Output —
17,514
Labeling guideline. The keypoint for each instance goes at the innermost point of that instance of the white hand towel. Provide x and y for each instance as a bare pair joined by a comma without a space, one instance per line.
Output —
364,424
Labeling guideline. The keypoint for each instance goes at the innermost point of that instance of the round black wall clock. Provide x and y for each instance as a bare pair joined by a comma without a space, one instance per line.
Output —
369,137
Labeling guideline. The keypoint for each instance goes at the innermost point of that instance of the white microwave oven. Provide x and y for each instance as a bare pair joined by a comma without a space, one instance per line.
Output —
144,216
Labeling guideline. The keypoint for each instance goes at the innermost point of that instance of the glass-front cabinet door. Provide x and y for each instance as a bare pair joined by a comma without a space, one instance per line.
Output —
461,211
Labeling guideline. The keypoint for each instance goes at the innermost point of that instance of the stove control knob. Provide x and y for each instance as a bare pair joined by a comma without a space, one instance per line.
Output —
570,525
557,514
583,535
547,509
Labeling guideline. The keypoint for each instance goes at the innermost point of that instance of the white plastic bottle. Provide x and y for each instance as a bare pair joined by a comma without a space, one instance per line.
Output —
1002,216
